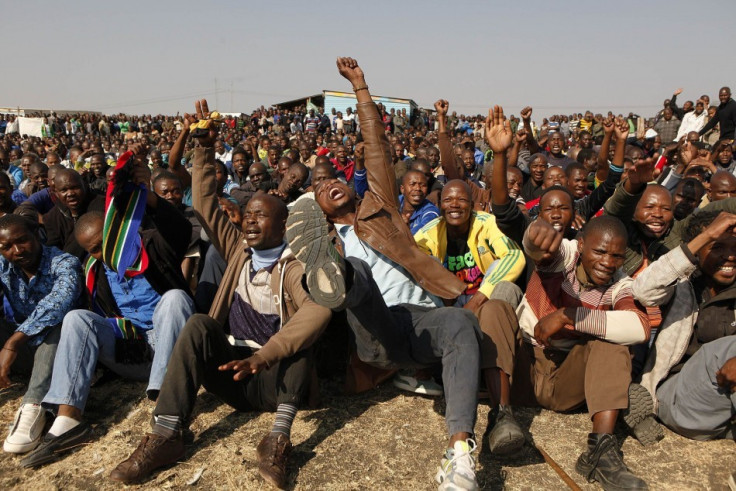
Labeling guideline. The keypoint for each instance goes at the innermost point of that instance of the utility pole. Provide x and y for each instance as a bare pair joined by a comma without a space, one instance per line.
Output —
217,96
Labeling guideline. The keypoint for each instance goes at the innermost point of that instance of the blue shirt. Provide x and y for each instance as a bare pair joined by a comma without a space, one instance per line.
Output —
18,197
393,281
44,300
42,201
422,215
16,173
135,297
360,182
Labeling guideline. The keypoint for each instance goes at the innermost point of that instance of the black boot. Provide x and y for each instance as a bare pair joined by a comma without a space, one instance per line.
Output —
504,433
603,462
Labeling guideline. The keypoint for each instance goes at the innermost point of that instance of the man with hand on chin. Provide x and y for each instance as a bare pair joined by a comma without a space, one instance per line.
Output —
577,318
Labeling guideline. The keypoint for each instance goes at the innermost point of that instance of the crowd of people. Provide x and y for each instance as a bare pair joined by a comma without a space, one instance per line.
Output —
589,261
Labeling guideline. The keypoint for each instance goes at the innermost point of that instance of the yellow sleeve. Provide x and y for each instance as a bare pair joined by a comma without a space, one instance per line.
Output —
424,242
510,263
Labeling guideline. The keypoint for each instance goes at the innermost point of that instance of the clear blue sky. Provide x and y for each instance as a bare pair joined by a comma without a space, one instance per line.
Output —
158,56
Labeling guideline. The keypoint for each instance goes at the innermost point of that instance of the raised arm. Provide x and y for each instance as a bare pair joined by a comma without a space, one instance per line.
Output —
677,111
449,163
542,242
224,236
608,126
519,139
588,206
177,151
499,137
710,124
656,284
378,164
526,117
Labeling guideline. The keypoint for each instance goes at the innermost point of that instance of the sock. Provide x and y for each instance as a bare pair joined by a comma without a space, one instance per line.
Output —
166,425
62,424
285,414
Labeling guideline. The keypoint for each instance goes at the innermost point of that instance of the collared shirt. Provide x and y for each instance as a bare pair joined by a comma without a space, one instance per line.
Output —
421,216
667,130
135,297
42,301
395,284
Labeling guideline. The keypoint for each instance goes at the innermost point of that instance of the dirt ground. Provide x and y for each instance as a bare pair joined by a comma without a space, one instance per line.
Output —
383,439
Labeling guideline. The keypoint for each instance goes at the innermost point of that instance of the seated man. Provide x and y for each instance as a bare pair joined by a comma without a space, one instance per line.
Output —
74,200
691,372
575,320
389,287
249,331
139,299
37,180
289,188
41,285
687,197
45,199
414,207
168,186
258,180
470,245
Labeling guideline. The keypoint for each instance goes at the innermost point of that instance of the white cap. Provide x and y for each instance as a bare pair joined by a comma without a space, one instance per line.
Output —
650,133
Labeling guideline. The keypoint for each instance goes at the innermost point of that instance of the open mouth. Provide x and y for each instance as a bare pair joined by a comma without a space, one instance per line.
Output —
335,193
557,226
454,214
727,271
656,227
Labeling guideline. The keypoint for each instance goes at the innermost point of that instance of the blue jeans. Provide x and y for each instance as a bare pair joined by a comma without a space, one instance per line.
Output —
38,361
87,337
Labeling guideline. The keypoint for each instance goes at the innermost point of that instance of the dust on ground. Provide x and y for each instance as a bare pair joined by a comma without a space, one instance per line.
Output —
382,439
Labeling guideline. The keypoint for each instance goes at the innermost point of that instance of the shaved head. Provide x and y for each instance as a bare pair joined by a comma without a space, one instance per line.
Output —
459,185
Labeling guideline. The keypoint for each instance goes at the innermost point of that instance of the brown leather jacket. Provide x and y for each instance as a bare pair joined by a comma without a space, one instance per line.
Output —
378,221
454,170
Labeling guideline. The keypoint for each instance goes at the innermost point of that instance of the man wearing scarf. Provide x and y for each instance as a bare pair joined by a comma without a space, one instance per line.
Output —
252,350
138,300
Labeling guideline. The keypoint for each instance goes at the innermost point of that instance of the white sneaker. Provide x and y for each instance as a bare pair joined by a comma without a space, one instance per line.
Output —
405,380
25,433
457,469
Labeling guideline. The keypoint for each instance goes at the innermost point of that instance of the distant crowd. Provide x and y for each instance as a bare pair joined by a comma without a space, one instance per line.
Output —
584,260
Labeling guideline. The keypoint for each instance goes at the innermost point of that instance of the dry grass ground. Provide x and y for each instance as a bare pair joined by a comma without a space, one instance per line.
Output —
383,439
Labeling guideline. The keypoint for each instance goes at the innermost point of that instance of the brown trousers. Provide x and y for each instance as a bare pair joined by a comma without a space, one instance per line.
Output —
593,371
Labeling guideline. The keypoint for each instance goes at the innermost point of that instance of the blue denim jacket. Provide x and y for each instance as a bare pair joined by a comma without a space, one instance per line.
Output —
44,300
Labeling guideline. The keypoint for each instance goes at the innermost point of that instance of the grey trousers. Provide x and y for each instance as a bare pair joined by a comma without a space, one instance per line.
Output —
408,336
692,404
38,361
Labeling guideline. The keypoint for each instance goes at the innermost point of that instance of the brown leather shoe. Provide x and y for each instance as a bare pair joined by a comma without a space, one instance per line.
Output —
272,453
153,452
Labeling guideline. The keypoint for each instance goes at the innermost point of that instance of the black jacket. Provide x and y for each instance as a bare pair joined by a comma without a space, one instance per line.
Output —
726,115
59,224
166,242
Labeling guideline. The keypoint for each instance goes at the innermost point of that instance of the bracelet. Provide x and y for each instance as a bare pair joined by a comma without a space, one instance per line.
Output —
362,87
615,168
